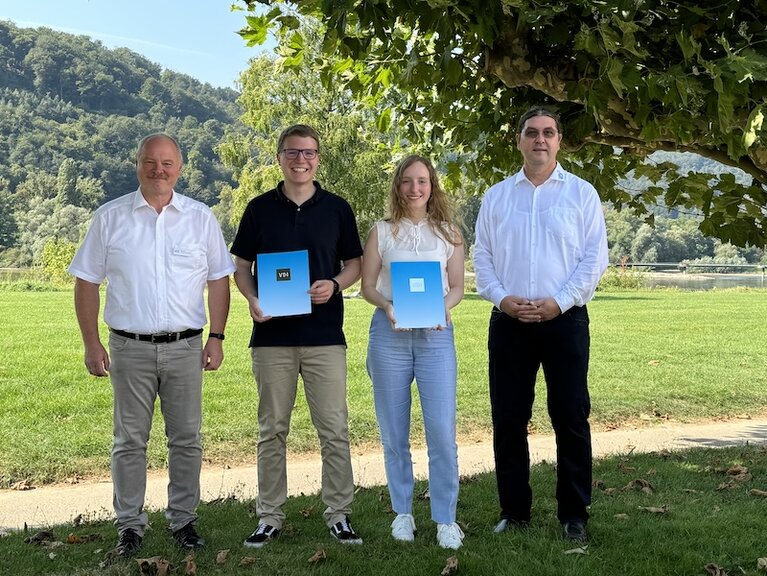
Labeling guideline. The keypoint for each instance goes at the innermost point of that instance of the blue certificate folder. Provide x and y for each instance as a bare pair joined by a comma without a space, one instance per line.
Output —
283,283
417,294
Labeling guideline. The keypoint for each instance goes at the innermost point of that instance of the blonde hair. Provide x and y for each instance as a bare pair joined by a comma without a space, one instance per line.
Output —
440,214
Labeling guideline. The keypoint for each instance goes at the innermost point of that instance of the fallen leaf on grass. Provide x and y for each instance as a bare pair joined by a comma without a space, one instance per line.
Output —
154,566
222,556
75,539
623,466
599,484
22,485
424,495
318,556
610,491
731,484
52,545
715,570
190,565
691,491
737,471
306,512
578,550
52,555
639,484
247,561
653,362
654,509
621,516
757,492
451,565
40,537
665,453
761,563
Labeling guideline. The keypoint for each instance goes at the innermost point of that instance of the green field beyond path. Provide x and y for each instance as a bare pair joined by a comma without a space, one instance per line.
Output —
656,355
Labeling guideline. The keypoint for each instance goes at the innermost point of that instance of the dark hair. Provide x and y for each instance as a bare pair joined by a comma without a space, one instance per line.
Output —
538,111
440,214
147,139
303,130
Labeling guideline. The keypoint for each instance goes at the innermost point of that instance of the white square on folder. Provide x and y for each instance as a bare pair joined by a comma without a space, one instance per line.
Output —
417,285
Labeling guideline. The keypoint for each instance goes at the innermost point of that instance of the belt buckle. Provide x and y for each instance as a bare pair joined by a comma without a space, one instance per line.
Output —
159,338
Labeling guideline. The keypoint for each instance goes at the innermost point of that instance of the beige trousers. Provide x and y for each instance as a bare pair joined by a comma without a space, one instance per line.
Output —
323,370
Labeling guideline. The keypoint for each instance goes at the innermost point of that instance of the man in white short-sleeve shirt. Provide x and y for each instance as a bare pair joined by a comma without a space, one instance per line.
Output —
157,250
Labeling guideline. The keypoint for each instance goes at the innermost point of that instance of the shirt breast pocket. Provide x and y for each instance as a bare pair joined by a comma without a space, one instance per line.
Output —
186,258
562,223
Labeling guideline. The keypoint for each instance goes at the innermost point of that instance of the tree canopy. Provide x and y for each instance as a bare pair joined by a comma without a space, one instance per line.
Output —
355,158
629,77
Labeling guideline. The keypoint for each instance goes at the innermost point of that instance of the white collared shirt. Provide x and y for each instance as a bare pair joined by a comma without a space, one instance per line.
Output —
156,265
540,241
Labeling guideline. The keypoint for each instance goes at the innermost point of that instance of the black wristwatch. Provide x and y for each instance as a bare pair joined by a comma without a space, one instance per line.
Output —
336,286
218,335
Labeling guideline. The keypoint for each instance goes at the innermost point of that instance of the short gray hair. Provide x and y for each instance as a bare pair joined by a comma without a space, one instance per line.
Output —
147,139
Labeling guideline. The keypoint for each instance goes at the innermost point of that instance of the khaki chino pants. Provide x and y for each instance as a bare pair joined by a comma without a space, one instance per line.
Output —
323,370
140,372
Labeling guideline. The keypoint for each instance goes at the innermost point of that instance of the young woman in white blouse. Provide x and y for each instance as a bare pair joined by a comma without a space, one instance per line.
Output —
420,227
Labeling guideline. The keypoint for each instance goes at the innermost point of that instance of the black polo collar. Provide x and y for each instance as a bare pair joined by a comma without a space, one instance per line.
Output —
319,192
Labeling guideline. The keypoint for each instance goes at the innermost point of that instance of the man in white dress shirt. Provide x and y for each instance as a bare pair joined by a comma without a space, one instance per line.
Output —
157,250
540,251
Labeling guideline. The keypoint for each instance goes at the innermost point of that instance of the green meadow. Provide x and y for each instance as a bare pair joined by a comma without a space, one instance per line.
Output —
657,355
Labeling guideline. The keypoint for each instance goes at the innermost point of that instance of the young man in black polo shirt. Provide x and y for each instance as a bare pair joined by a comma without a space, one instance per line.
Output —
300,215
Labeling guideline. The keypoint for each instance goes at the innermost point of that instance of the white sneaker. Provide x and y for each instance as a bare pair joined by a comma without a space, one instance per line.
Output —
449,535
403,528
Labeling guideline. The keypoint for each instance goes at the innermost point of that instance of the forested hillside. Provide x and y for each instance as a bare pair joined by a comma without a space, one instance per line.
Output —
71,114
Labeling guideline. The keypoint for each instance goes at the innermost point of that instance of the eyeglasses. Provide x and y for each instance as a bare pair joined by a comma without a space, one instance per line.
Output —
292,153
548,133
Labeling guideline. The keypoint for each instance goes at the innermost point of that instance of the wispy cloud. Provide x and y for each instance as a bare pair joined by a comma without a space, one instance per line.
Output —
113,39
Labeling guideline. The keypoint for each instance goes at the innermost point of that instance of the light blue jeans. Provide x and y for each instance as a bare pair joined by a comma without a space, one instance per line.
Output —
394,360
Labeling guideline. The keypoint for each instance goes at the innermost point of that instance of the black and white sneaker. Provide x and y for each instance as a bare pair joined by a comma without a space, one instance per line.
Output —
128,543
344,533
261,536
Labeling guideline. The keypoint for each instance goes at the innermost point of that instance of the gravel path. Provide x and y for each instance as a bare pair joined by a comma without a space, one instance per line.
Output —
51,505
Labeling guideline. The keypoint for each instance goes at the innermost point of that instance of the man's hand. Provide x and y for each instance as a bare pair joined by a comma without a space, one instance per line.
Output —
255,310
520,308
530,311
97,359
321,291
548,309
212,354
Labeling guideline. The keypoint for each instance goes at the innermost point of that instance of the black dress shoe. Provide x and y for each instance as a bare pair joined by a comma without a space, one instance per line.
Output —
575,531
128,543
188,538
510,524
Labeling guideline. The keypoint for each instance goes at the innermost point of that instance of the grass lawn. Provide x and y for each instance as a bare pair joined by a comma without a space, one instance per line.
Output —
695,511
656,355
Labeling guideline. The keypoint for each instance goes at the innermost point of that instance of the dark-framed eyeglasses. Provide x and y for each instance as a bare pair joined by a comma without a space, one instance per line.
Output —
292,153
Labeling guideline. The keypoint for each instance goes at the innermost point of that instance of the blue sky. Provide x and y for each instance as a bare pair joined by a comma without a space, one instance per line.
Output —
195,37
